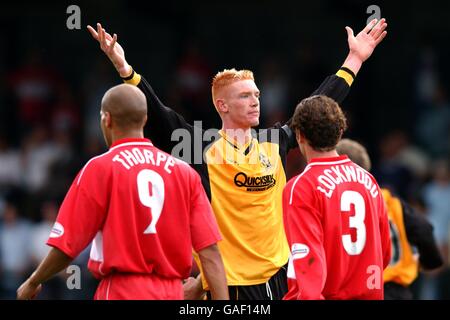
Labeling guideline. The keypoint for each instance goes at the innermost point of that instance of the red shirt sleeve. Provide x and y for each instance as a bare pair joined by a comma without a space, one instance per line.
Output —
204,229
305,236
384,231
82,212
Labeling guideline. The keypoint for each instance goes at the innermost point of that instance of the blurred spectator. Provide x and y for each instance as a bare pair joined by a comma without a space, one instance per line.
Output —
437,200
193,83
14,251
426,76
10,170
96,83
433,127
39,152
63,166
307,72
390,172
274,87
415,159
65,116
432,106
34,87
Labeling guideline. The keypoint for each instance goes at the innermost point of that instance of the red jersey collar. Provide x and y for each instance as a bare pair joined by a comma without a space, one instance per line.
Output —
329,159
130,140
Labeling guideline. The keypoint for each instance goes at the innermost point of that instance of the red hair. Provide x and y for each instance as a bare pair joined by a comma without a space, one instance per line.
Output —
227,77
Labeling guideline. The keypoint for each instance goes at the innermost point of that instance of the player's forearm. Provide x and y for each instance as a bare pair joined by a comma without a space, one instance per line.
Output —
353,62
214,272
54,262
215,276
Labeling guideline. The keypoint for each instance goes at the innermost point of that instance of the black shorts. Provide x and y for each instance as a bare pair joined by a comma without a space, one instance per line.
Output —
274,289
395,291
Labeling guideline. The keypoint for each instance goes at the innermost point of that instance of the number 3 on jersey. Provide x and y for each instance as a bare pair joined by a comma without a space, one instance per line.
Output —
151,193
357,222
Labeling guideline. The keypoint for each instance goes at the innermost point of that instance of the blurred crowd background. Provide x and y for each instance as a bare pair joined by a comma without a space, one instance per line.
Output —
52,80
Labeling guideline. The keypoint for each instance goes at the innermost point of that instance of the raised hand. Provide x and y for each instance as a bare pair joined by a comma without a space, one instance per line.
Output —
112,49
365,42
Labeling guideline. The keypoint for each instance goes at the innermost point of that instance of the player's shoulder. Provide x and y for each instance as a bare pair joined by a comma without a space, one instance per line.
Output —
367,173
186,174
280,134
301,180
181,166
292,181
94,166
299,189
100,160
271,134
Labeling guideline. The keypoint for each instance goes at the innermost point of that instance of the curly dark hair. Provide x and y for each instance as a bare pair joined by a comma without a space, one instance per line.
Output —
321,121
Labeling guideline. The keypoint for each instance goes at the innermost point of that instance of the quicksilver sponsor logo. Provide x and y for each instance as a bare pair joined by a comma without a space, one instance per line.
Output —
260,183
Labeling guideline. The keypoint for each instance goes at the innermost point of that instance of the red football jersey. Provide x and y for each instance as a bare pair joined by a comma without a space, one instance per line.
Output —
338,232
143,209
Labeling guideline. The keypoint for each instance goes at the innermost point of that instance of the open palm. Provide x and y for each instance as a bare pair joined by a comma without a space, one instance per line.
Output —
366,41
111,48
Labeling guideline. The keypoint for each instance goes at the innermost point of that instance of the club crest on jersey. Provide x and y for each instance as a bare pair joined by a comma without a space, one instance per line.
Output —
259,183
57,230
264,160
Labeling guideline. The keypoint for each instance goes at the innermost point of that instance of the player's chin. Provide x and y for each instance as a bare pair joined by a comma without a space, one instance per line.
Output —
254,121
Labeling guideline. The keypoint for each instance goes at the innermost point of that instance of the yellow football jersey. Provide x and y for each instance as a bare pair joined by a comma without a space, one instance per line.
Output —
404,265
254,245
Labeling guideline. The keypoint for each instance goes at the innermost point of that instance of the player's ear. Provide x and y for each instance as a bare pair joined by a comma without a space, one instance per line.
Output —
144,121
108,119
300,138
221,106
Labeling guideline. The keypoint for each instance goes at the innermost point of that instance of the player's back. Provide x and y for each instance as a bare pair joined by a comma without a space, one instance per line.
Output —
349,208
353,244
153,201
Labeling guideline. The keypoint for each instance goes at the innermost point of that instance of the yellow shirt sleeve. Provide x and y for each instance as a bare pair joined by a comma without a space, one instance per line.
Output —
134,78
346,76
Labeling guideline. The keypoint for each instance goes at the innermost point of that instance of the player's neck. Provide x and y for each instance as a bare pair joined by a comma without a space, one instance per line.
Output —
138,134
313,154
240,136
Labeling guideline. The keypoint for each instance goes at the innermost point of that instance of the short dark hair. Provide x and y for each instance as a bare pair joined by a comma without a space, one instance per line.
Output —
321,121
